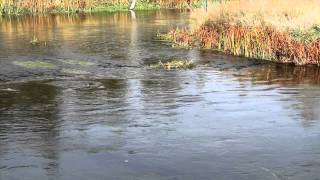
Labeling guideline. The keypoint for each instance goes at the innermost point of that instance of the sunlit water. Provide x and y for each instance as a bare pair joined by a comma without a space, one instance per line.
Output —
84,105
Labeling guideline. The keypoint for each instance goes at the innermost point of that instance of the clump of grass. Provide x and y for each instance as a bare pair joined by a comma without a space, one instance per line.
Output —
258,29
179,37
174,65
253,42
34,41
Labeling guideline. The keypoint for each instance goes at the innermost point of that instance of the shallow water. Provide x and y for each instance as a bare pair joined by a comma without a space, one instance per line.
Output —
84,105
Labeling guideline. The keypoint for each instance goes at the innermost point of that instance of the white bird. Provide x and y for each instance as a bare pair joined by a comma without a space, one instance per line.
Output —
133,4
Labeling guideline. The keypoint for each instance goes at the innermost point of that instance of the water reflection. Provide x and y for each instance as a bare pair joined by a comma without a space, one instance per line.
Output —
285,74
300,84
297,85
102,39
29,128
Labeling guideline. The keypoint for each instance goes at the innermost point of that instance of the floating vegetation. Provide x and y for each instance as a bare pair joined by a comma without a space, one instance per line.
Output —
34,64
34,41
77,62
173,65
74,71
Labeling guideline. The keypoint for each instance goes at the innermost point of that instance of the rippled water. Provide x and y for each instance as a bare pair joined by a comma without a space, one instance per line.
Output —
84,105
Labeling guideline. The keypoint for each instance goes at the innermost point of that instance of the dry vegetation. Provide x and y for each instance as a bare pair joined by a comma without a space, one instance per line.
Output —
40,6
284,31
280,14
43,6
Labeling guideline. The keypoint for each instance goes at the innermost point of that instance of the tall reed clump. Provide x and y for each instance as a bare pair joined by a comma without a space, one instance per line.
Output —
285,31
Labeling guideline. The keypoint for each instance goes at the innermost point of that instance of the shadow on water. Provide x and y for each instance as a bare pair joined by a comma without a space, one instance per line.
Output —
29,121
296,83
300,83
99,113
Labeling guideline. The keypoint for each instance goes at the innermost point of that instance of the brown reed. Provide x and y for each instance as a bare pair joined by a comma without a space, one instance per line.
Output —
43,6
252,42
285,31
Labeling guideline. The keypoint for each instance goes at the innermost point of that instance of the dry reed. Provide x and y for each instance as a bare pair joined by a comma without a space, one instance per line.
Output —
43,6
257,29
279,14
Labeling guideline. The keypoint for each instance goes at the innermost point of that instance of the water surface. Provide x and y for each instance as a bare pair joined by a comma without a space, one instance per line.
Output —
84,105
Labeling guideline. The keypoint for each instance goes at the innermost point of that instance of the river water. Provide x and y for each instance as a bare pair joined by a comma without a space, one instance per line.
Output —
84,104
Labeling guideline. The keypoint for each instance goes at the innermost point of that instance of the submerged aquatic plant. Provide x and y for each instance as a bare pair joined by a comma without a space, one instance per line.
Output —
77,62
34,64
175,64
74,72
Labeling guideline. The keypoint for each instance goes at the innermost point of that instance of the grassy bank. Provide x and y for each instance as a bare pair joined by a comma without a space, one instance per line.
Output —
68,6
285,31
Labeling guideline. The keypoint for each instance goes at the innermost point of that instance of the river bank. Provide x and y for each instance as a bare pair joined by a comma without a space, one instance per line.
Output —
9,7
260,30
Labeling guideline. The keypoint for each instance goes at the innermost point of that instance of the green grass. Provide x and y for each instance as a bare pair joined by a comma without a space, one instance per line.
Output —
306,36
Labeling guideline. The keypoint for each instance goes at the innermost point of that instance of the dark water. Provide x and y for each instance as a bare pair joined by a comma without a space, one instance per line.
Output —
84,105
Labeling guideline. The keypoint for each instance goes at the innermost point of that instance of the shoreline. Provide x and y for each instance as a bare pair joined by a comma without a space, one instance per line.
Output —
262,43
94,9
255,29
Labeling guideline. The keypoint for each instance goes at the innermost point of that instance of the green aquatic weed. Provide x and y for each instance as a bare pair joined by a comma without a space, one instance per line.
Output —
34,64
